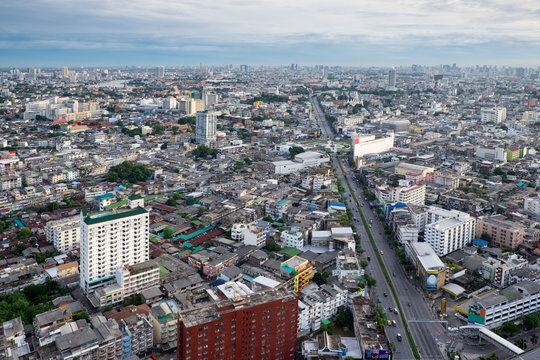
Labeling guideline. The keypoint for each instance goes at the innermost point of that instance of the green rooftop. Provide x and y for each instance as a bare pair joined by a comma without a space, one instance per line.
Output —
116,205
104,217
162,270
290,251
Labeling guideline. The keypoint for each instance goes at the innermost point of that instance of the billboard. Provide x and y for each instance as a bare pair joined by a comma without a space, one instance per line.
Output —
431,280
376,354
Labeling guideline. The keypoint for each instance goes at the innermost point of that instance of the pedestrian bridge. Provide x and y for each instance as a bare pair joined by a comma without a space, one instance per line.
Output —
490,336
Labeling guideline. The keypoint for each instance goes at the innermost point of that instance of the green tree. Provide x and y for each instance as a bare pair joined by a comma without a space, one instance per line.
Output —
25,233
272,246
320,278
171,202
158,129
203,151
522,343
363,263
82,315
167,233
510,327
128,171
345,319
295,150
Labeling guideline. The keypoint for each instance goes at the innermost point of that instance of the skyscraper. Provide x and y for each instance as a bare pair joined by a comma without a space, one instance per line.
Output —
392,79
160,71
111,240
205,127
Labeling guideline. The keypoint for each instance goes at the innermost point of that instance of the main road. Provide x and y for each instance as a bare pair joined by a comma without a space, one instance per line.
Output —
427,336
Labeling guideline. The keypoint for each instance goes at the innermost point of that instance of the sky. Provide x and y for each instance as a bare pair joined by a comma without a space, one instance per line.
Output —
269,32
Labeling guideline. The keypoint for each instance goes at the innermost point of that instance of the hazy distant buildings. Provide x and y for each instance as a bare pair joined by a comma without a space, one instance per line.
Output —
392,79
205,128
160,71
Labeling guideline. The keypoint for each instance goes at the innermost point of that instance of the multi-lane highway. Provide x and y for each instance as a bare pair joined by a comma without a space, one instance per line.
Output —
426,335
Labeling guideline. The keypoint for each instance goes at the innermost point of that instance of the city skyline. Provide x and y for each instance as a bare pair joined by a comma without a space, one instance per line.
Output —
349,33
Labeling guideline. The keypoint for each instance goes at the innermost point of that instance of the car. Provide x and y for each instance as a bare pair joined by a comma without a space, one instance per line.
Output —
395,310
409,304
369,258
394,323
379,300
385,295
382,252
398,336
389,322
394,274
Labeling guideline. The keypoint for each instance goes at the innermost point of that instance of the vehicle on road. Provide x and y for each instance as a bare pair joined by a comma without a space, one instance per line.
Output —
389,322
394,323
395,310
394,274
379,300
369,258
382,252
385,295
409,304
398,336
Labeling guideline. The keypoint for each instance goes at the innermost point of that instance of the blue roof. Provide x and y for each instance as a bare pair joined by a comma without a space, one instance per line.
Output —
217,282
104,196
283,202
480,242
336,204
120,187
395,205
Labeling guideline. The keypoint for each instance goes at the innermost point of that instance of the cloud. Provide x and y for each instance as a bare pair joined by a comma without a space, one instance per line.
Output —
215,25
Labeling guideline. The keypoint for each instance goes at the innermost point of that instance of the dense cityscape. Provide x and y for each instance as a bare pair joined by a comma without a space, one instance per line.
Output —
270,212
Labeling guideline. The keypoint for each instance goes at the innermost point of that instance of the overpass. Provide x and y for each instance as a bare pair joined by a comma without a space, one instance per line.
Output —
488,335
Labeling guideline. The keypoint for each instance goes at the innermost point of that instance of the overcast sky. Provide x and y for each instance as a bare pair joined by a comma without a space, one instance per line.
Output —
349,32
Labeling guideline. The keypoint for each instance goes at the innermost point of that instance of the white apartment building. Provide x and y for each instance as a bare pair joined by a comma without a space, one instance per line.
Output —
110,241
532,204
408,194
10,181
496,115
435,213
292,238
407,233
319,305
492,309
205,128
254,235
491,153
450,234
130,280
64,233
237,231
367,144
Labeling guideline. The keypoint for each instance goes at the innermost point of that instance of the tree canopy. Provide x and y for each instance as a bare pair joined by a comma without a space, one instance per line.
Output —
128,171
203,151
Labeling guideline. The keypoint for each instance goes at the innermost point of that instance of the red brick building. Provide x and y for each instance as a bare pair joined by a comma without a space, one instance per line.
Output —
260,326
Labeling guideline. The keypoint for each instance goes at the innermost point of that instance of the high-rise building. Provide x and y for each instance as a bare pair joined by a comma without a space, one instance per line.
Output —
205,127
109,241
447,231
160,71
496,115
392,79
65,71
262,326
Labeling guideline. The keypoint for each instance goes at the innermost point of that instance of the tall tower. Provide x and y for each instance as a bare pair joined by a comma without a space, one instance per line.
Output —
160,71
108,242
205,127
392,79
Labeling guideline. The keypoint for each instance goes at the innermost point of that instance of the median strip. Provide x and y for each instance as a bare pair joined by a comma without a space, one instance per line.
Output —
383,268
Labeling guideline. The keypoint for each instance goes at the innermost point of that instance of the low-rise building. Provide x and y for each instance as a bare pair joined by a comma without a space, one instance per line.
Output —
64,233
300,269
429,267
501,231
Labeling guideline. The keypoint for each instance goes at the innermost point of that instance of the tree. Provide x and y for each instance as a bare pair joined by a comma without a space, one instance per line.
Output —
534,339
320,278
272,246
81,315
203,151
531,321
295,150
522,343
128,171
243,133
485,236
370,281
158,129
175,129
25,233
363,263
510,327
171,202
378,172
167,233
345,319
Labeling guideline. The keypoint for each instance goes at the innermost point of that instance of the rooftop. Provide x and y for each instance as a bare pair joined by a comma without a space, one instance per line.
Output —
108,216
